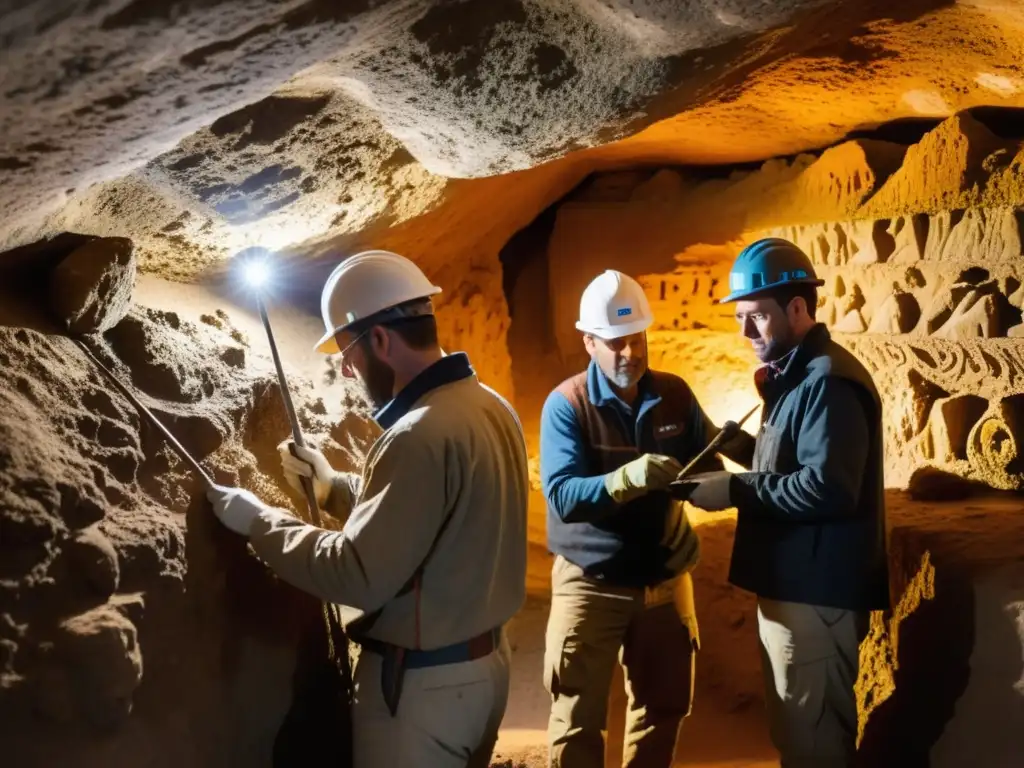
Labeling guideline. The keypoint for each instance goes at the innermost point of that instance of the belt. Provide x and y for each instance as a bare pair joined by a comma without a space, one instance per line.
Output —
469,650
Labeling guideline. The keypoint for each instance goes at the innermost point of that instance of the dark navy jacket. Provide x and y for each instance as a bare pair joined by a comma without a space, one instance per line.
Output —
586,432
811,525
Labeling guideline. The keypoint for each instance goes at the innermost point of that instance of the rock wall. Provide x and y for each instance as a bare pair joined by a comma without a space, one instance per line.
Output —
94,92
932,304
133,627
920,245
196,129
929,295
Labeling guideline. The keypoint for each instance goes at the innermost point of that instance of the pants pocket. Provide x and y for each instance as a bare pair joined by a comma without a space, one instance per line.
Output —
658,659
566,669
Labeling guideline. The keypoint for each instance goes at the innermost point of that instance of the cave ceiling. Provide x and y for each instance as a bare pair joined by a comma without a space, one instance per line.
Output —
198,127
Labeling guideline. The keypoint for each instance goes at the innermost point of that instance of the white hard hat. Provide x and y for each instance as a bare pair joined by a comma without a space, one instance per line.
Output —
364,285
614,305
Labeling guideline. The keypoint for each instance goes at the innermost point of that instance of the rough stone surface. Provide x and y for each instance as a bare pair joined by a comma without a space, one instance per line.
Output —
468,88
132,627
441,129
321,128
91,289
929,298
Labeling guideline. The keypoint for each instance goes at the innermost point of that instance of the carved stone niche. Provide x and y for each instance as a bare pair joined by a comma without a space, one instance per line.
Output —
975,306
909,234
911,404
841,243
899,313
995,442
949,426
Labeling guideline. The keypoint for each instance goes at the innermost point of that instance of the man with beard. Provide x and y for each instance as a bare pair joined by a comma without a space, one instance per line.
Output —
810,538
431,561
612,440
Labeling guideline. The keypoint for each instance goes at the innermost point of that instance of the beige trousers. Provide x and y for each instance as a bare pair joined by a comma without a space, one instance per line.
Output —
593,625
448,716
809,655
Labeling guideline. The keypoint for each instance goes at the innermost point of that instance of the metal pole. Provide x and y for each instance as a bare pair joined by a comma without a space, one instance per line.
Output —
307,483
728,431
179,449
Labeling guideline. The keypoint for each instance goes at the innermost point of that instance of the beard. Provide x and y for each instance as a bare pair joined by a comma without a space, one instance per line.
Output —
772,350
627,375
378,382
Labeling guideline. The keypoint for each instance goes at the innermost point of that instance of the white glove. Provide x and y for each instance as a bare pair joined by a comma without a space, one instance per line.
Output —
310,463
236,508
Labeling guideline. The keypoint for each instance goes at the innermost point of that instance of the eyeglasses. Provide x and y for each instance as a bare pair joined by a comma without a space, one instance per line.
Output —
345,367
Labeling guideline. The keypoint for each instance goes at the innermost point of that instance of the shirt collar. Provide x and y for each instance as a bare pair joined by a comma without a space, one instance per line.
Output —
447,370
600,391
775,370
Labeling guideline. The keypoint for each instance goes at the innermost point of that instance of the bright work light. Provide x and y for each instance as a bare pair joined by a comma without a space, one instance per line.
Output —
256,273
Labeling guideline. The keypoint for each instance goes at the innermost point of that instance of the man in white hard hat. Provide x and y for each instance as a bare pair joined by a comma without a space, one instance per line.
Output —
431,562
612,439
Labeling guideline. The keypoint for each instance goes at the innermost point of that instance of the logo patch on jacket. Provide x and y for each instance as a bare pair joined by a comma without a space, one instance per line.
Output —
668,430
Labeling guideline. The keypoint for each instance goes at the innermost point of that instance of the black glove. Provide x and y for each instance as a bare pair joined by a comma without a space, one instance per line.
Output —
711,491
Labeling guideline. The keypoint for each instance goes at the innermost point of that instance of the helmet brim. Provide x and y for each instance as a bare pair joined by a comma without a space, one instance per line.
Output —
328,345
754,292
618,331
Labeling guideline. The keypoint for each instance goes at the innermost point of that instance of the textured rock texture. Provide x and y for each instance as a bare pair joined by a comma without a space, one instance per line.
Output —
163,137
91,289
196,129
920,247
124,607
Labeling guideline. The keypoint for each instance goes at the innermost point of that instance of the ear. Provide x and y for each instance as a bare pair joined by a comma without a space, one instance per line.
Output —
796,309
380,341
588,343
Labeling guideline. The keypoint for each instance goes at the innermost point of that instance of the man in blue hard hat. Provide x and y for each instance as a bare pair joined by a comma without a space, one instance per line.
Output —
810,536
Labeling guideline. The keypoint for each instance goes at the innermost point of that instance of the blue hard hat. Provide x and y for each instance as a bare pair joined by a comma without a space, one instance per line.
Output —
769,263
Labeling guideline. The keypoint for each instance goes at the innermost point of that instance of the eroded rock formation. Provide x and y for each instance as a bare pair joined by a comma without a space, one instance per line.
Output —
113,571
150,141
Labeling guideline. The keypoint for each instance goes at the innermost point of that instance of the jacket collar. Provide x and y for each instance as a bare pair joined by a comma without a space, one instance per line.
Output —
447,370
600,392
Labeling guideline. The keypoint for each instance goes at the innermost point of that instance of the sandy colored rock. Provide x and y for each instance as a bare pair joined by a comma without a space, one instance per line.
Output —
93,559
946,171
93,668
672,84
90,291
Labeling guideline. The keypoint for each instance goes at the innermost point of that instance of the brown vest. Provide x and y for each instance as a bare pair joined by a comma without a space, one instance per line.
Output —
625,547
